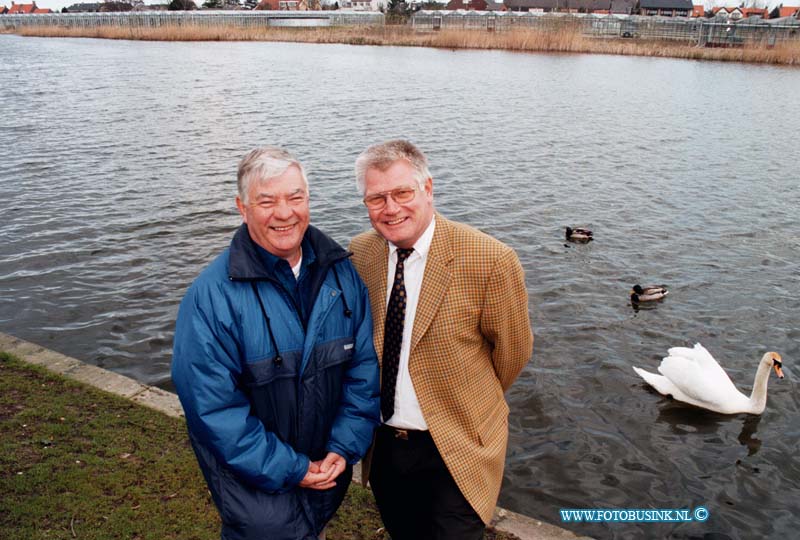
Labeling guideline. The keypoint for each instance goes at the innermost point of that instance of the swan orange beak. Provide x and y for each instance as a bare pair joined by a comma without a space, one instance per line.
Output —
776,365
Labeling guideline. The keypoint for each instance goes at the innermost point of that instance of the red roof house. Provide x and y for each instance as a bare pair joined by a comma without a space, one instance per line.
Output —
3,9
42,10
755,12
22,8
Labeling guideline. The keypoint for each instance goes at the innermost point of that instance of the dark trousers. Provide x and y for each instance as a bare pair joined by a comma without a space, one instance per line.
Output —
416,495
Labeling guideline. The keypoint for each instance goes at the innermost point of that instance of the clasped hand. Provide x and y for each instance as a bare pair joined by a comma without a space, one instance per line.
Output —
321,474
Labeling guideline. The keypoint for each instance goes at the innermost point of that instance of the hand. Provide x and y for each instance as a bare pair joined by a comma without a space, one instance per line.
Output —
334,464
313,476
322,474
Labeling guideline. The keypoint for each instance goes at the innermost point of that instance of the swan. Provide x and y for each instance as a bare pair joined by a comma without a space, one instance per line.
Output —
693,376
579,234
649,293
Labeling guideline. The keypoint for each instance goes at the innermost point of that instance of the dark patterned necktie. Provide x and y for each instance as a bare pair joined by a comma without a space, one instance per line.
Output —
393,336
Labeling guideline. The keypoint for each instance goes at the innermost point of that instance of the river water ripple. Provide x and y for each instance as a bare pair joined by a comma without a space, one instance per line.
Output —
117,182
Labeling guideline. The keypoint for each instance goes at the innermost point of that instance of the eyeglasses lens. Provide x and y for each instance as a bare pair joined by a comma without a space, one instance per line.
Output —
400,195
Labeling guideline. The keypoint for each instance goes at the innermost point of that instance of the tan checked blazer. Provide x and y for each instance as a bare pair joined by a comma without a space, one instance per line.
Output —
471,338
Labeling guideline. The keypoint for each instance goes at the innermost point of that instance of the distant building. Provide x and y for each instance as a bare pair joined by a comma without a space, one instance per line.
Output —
732,13
698,10
602,7
21,8
666,8
623,7
363,5
780,11
285,5
357,5
3,10
755,12
533,6
83,8
475,5
562,6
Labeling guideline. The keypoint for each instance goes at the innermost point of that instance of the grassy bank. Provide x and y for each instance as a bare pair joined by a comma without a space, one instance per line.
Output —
76,462
566,39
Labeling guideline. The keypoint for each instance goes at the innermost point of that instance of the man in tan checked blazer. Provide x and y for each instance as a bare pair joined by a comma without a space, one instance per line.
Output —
438,457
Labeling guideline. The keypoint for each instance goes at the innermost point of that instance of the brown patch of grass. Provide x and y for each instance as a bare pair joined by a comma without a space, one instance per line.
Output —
562,38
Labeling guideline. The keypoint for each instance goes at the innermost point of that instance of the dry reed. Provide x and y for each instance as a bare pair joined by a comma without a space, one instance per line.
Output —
564,39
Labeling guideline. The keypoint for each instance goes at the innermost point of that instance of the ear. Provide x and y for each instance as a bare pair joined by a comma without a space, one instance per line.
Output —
242,208
429,187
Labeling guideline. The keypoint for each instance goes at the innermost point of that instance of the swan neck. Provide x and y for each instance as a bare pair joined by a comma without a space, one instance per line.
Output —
758,397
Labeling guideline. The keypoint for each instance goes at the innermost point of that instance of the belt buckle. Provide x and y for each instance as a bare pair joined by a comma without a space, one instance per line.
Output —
400,434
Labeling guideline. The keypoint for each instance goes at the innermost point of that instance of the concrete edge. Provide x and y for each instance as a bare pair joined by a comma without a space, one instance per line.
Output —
524,527
113,383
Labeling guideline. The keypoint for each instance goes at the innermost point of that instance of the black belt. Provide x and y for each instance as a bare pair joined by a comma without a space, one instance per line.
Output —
405,434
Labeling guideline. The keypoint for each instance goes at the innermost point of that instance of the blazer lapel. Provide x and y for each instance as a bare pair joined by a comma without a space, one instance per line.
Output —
375,278
435,281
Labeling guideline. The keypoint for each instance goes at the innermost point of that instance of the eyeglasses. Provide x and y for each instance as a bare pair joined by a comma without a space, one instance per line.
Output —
401,195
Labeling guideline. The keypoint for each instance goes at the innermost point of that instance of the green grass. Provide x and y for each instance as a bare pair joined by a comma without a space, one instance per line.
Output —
77,462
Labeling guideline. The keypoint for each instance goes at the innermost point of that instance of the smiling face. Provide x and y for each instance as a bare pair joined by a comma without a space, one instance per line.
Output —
277,213
401,224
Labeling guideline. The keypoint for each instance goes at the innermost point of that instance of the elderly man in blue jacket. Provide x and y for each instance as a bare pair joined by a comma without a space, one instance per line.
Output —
274,363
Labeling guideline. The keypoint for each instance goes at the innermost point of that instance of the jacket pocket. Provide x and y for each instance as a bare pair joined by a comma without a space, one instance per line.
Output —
495,425
267,370
271,388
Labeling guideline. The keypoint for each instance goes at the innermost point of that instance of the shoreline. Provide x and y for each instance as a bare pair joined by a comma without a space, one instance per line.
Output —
564,40
523,527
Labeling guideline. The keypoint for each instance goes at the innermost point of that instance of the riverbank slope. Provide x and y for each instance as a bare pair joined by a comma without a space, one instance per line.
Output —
81,462
566,39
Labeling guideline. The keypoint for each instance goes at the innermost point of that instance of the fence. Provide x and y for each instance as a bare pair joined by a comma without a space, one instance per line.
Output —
704,32
155,19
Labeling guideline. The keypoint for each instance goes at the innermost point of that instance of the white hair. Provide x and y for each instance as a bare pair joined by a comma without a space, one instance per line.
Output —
262,164
381,156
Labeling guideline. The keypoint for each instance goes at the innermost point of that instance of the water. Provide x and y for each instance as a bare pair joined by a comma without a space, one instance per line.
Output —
117,184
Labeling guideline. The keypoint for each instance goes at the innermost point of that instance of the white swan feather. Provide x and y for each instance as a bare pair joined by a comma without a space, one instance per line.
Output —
693,376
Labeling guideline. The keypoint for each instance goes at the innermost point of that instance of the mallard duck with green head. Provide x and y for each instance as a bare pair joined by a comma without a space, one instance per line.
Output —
648,294
579,234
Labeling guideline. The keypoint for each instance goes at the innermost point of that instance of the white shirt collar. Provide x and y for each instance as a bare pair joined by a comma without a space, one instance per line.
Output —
423,243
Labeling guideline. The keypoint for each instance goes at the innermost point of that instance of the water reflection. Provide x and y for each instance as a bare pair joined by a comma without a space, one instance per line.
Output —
646,306
683,420
749,429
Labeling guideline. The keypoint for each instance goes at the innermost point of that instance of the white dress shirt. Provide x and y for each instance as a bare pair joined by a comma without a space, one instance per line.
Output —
407,413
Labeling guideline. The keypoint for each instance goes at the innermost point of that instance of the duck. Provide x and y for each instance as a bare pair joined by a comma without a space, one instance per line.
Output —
693,376
648,294
579,234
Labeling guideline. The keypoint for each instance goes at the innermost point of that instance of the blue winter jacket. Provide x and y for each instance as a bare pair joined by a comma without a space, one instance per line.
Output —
265,393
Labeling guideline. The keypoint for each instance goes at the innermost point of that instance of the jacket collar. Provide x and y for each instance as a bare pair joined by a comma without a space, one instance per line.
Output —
245,263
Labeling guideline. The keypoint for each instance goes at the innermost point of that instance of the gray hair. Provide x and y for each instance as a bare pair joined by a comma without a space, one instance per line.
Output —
381,156
262,164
